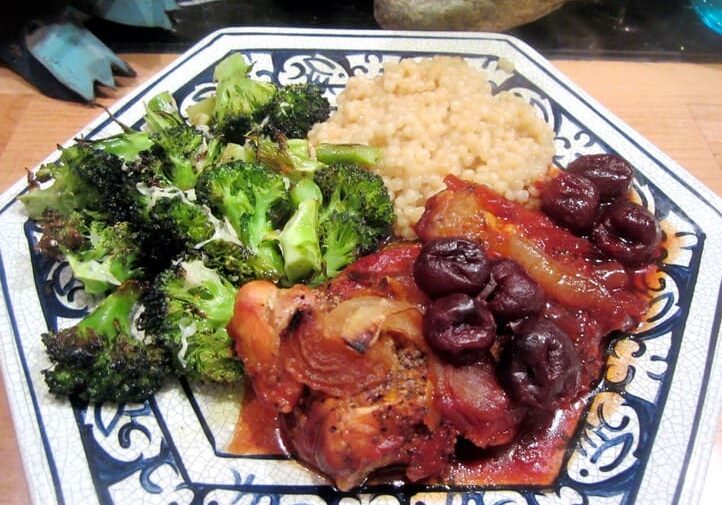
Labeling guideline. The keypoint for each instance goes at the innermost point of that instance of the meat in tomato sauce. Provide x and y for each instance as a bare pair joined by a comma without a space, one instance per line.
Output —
478,380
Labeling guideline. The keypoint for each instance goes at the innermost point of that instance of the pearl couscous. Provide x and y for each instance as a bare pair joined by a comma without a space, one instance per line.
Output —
438,116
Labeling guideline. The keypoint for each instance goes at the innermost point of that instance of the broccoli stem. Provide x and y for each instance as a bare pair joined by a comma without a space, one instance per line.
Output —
127,146
299,242
111,316
355,154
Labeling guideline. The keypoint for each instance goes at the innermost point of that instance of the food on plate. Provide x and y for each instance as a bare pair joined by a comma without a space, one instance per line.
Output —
100,357
461,350
438,116
186,310
183,215
465,358
241,104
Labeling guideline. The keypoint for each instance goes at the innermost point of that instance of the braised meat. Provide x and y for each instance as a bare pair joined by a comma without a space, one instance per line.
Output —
358,389
385,367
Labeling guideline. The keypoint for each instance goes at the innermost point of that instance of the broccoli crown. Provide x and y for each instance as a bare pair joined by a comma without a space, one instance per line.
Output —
231,259
109,256
90,178
177,150
295,108
188,309
161,113
356,191
99,359
254,198
344,236
180,218
70,191
107,174
239,102
357,214
255,201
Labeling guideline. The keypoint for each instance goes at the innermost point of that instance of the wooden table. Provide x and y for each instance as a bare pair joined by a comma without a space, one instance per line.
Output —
676,106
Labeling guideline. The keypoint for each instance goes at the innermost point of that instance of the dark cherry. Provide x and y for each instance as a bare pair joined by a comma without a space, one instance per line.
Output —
610,173
540,365
451,265
629,233
571,201
515,295
459,328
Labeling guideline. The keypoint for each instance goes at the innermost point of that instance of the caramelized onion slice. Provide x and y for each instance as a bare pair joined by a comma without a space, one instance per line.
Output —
358,321
340,352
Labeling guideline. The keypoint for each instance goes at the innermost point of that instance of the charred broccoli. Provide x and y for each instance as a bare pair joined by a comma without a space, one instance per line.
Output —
255,201
239,102
188,308
179,151
242,106
288,156
67,185
102,256
100,359
229,257
295,108
168,221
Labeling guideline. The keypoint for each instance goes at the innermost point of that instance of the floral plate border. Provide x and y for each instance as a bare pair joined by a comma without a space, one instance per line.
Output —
644,439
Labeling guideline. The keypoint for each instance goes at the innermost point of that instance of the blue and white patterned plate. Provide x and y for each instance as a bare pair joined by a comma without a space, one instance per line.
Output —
644,439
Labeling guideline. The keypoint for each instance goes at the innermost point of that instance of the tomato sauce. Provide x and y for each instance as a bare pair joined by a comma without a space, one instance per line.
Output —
588,296
256,430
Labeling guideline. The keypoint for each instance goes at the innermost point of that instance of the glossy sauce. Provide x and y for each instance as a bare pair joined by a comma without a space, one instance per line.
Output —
257,431
622,296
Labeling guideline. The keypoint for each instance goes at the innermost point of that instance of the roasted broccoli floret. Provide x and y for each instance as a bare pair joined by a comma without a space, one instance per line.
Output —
230,258
255,201
357,214
88,179
177,217
180,152
168,223
243,106
101,359
108,256
69,188
188,308
239,102
295,108
344,237
357,191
